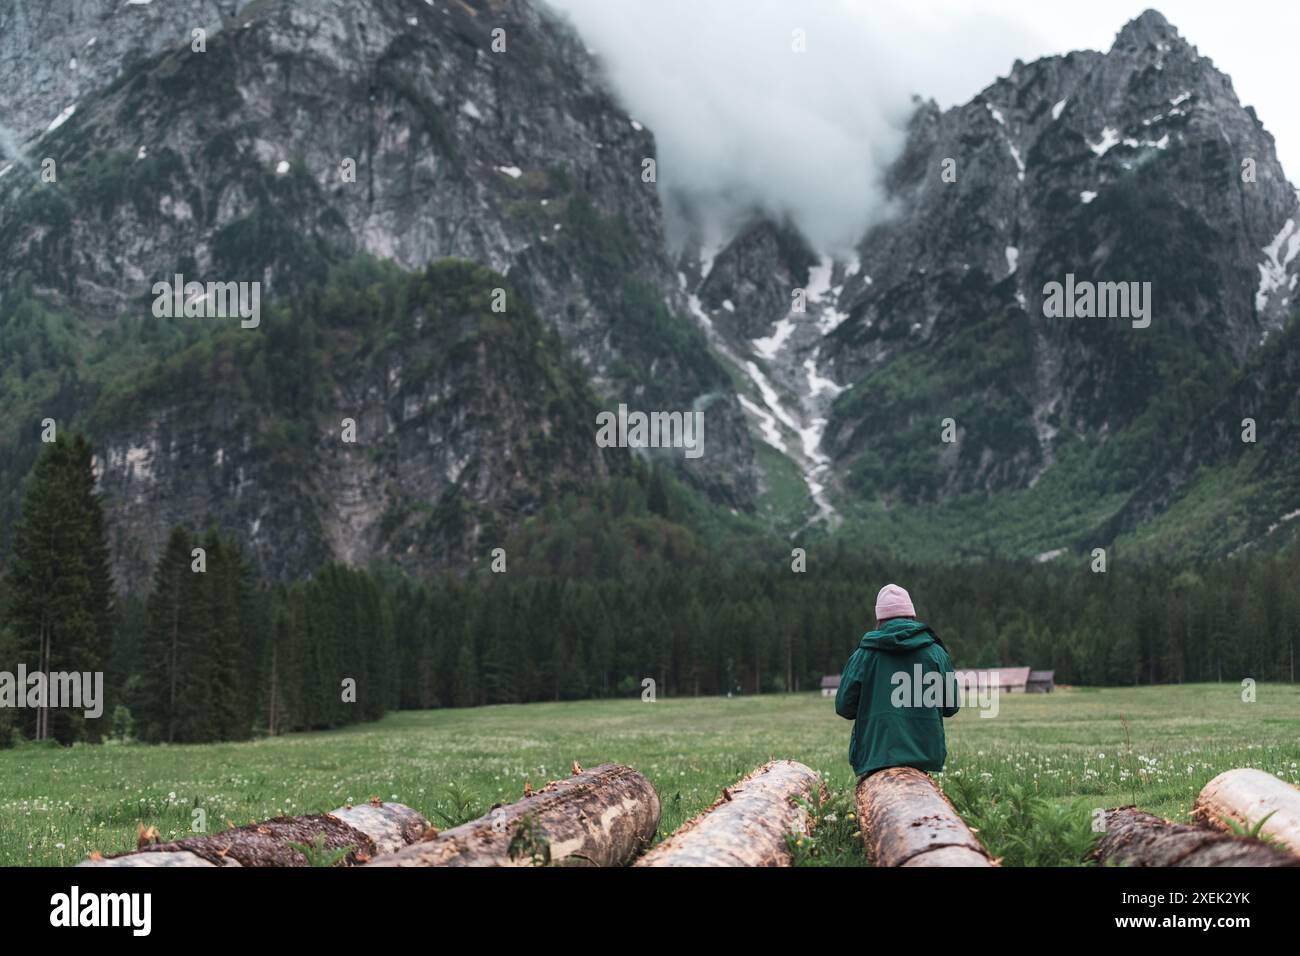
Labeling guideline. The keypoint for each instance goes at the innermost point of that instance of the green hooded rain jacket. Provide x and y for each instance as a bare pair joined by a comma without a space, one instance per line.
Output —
897,717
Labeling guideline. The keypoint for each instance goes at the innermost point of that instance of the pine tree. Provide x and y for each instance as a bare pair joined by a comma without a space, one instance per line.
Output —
465,681
228,638
60,584
8,721
163,705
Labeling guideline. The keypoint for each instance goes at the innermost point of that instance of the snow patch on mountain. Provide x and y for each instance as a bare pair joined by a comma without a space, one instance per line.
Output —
770,346
790,393
817,383
1279,253
697,310
830,320
1109,139
770,397
62,118
1011,146
767,427
1020,163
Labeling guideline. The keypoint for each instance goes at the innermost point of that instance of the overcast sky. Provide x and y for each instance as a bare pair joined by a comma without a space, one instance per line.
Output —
741,122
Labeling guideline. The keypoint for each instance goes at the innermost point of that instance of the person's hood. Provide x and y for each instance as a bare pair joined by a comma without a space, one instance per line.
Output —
900,634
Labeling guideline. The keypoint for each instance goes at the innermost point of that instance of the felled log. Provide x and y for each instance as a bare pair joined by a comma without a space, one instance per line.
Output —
748,824
366,831
907,821
599,817
1134,838
1246,796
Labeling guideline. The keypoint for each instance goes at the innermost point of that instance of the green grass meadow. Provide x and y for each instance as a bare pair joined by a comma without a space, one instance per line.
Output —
1027,779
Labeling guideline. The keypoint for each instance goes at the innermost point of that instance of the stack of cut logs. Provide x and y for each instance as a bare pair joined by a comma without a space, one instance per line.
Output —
608,816
1233,805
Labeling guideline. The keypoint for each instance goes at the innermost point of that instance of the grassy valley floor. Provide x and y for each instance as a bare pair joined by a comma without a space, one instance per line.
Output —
1028,778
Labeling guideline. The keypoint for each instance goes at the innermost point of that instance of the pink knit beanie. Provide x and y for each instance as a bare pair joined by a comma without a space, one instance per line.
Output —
893,601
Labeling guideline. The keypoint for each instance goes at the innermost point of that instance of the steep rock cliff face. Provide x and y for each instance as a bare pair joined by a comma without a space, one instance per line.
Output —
55,52
750,283
391,415
1230,482
305,134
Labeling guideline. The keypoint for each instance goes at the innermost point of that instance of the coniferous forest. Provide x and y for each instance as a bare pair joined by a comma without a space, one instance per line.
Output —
595,598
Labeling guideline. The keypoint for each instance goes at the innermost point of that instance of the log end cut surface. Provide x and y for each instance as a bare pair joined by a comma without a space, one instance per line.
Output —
1247,796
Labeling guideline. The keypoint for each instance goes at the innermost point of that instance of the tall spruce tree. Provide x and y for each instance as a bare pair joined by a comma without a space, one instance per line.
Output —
164,699
60,583
226,632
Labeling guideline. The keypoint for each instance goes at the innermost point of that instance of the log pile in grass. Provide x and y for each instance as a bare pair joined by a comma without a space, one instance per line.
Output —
907,821
364,831
1134,838
1253,801
749,823
599,817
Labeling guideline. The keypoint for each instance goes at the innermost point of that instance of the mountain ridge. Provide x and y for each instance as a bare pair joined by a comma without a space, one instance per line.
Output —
828,383
1119,166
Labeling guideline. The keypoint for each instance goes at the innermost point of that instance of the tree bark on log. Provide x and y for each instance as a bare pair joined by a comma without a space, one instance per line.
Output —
1134,838
907,821
748,824
599,817
370,830
1246,796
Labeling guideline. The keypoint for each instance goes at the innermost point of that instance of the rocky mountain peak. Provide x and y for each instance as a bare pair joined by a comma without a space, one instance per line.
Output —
1135,165
1147,29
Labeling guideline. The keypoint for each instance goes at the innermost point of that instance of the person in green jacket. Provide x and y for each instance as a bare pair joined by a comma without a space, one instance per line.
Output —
896,688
